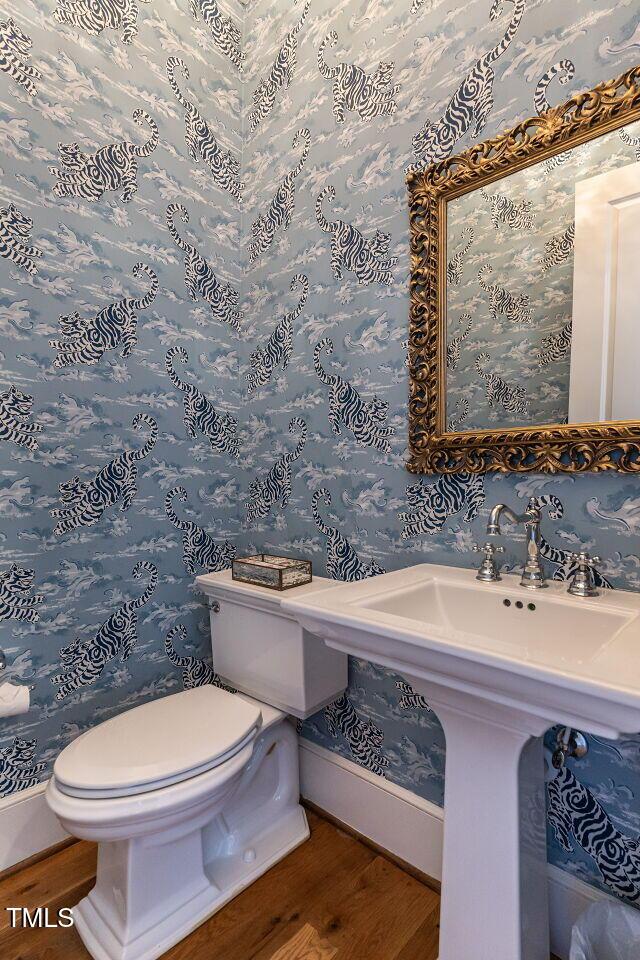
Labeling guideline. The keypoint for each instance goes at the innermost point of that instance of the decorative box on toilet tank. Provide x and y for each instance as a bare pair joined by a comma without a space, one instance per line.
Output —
278,573
262,651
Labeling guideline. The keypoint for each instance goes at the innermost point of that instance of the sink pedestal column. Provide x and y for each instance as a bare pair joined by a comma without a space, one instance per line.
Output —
494,875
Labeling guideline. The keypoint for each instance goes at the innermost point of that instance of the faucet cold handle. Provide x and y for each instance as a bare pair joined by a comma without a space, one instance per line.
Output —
582,583
488,570
585,557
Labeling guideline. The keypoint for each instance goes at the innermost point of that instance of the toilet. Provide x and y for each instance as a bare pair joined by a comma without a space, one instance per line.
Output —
193,796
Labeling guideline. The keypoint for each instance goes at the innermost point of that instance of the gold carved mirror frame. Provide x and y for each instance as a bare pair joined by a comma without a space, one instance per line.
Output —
553,448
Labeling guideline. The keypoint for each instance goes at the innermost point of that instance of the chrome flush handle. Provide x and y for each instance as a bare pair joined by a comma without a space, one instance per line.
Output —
488,570
582,583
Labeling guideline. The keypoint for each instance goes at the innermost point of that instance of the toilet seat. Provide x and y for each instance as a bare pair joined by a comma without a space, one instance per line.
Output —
157,744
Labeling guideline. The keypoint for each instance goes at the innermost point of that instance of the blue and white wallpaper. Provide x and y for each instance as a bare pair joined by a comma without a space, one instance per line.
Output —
186,374
120,140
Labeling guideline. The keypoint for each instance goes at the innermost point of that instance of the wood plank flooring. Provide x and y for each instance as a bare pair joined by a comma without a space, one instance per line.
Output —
334,898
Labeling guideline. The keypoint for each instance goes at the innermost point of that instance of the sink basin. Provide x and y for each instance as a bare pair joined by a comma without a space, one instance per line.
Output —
499,664
570,660
503,619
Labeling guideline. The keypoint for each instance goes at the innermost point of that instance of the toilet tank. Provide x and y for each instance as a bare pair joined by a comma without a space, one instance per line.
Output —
262,651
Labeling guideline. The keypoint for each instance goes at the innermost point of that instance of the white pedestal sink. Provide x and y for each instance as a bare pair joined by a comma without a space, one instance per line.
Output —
499,664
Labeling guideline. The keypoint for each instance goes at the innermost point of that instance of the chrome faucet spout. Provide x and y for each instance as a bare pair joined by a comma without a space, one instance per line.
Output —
532,573
500,510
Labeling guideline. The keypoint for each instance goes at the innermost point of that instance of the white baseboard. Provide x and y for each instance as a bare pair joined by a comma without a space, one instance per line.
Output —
27,826
411,828
394,818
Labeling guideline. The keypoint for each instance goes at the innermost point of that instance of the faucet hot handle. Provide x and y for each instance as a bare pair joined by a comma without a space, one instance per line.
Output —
584,555
488,571
582,584
488,547
584,558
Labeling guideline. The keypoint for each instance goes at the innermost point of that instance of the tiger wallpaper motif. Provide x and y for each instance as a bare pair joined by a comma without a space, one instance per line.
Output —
279,75
279,347
15,243
364,418
200,415
200,278
85,501
18,769
89,176
83,660
369,95
350,250
200,552
16,601
225,30
68,244
470,107
86,340
16,425
200,138
196,672
94,16
266,492
280,210
15,50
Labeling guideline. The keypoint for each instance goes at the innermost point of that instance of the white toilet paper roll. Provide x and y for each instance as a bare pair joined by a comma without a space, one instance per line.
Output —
13,699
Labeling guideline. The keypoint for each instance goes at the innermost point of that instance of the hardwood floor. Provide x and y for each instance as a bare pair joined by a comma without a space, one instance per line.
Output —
332,899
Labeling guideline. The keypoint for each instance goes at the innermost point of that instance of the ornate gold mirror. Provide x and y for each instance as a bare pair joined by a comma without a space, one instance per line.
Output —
525,295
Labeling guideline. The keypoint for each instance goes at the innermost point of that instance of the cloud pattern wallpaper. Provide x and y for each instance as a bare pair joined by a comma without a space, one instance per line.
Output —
203,313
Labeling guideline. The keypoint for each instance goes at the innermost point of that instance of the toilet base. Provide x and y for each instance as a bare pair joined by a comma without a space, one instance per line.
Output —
272,847
154,888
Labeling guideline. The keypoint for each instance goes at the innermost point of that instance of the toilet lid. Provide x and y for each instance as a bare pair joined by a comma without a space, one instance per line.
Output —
157,744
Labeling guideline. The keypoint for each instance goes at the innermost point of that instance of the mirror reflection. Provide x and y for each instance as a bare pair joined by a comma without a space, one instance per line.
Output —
542,292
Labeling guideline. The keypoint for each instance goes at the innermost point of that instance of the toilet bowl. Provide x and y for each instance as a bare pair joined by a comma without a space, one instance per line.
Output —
193,796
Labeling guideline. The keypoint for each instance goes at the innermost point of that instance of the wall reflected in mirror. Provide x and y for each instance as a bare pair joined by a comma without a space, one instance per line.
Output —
543,292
